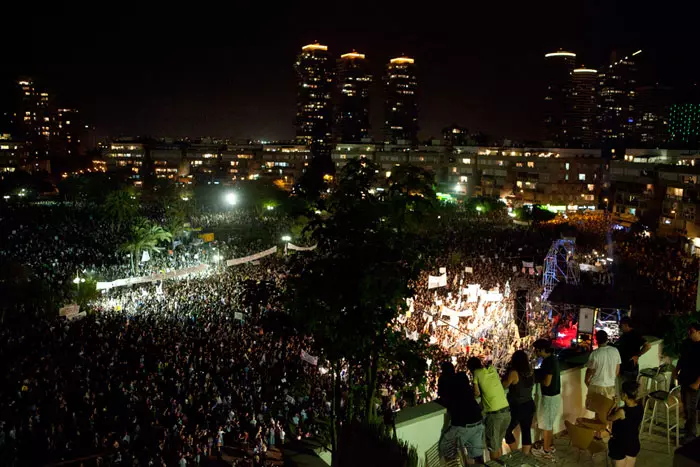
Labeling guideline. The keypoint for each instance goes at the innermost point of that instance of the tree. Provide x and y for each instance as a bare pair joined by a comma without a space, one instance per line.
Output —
121,207
348,296
145,236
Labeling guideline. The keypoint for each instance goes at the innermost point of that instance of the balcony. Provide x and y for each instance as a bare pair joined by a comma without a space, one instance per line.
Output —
421,426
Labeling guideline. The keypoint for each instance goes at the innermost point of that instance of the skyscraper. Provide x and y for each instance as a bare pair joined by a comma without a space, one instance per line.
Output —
67,130
314,119
616,113
32,117
557,105
652,113
401,112
583,101
352,116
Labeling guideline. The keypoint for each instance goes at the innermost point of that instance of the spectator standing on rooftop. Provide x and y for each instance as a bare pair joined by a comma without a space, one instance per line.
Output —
550,386
602,369
520,381
631,346
487,384
688,374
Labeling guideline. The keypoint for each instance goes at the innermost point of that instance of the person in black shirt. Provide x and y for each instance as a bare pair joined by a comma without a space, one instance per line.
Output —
631,346
465,434
549,377
687,373
624,443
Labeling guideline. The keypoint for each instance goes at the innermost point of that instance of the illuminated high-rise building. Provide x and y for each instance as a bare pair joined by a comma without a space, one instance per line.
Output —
67,132
557,103
352,115
616,101
314,119
401,113
32,117
583,106
652,111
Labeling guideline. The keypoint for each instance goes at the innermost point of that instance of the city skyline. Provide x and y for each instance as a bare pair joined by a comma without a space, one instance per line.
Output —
231,84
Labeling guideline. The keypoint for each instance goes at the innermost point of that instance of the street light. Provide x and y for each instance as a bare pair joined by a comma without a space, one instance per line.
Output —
479,208
286,238
231,198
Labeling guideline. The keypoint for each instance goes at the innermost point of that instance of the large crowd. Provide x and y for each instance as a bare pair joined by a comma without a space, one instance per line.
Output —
172,373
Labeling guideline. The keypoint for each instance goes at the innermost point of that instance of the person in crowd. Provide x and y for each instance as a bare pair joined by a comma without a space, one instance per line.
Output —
464,436
687,372
624,446
550,387
487,385
519,382
631,346
602,369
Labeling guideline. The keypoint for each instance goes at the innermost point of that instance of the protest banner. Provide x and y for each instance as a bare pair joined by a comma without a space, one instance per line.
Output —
293,247
248,259
309,358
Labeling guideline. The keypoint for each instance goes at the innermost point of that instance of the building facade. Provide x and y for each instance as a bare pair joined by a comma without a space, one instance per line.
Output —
557,106
401,109
617,98
314,118
583,101
352,110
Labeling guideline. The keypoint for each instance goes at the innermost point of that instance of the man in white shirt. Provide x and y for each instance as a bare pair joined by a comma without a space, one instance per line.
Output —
602,368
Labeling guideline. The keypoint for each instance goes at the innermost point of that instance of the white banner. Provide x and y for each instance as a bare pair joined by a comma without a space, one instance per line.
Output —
291,246
145,256
309,358
153,278
437,281
469,270
443,270
528,264
472,292
248,259
238,315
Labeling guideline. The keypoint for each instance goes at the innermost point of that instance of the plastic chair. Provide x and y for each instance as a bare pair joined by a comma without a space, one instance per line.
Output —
581,437
671,401
601,406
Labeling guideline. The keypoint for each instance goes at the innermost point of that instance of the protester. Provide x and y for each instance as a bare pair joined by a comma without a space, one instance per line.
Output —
631,346
550,387
465,434
687,372
487,385
624,445
520,382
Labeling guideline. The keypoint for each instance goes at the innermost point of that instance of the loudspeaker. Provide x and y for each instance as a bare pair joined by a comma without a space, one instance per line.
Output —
521,311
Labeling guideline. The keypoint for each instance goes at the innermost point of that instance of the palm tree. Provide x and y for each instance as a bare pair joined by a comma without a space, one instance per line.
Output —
121,206
145,236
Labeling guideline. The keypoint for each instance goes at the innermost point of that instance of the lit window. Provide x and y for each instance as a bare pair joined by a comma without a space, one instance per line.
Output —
582,177
466,161
591,187
567,166
531,164
519,184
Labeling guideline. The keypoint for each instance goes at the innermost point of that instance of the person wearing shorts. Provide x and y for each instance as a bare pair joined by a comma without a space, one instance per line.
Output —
487,384
550,387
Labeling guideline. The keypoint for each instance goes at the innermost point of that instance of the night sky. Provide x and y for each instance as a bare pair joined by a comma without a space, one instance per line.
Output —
228,72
